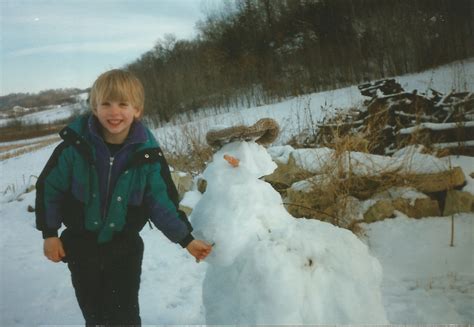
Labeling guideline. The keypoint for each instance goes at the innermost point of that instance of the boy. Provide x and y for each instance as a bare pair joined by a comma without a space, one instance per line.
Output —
103,182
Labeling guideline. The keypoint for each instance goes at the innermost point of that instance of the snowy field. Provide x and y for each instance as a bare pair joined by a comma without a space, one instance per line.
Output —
50,115
425,281
301,113
53,113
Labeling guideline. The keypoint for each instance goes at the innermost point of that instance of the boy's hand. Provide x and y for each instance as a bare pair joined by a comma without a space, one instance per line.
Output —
53,249
199,249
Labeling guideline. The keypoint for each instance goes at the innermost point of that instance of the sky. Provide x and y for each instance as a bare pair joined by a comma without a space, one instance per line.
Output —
49,44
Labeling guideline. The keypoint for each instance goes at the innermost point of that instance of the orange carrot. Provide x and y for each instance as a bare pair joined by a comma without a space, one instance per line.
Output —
233,161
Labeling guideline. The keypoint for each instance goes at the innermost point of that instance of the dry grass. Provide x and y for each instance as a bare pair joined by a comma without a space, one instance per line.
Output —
191,152
22,132
15,191
333,199
24,148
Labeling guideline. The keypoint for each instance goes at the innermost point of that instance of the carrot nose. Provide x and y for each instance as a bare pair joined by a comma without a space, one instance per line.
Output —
233,161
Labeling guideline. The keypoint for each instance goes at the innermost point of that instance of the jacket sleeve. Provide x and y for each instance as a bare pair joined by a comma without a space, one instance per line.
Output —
162,201
51,187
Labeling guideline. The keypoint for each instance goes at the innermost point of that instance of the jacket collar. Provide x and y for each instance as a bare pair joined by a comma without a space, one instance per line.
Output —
136,135
85,130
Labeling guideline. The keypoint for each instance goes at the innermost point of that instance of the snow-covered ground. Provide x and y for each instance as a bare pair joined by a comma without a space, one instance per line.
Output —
425,280
51,115
301,113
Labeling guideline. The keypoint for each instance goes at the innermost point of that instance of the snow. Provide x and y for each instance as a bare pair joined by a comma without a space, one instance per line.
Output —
408,193
435,126
322,161
424,280
409,150
51,115
319,160
82,96
364,164
447,145
191,198
419,163
308,184
17,173
280,154
266,266
34,291
312,160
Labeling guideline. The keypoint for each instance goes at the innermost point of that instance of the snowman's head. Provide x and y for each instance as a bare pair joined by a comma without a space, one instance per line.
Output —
253,161
227,214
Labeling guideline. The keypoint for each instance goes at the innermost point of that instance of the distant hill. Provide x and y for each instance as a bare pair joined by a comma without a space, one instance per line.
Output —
41,99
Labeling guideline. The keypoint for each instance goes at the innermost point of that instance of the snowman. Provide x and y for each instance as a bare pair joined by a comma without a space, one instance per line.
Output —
267,267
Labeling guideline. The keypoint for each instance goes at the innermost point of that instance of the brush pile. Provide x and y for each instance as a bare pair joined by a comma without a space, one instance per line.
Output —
393,118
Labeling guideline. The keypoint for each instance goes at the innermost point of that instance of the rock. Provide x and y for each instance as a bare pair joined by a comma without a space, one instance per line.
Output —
287,174
458,201
380,210
280,153
30,208
301,164
436,182
309,198
410,201
183,182
201,185
280,178
421,207
344,212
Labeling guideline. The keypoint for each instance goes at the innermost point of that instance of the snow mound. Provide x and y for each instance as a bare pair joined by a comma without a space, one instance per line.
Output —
270,268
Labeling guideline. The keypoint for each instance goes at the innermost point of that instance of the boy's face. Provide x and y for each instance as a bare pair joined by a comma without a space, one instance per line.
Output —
116,117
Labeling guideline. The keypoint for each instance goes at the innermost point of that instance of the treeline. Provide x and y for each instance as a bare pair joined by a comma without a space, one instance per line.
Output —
43,98
257,51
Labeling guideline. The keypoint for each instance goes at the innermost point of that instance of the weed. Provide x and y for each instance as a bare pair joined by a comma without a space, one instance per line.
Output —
187,150
13,192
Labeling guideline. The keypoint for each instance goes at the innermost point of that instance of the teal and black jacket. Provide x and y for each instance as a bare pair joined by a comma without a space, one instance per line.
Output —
90,192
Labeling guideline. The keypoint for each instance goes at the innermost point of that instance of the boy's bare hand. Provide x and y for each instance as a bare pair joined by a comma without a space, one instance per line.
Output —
199,249
53,249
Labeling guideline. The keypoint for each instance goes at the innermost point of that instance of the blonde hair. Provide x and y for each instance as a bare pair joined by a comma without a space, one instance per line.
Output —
118,85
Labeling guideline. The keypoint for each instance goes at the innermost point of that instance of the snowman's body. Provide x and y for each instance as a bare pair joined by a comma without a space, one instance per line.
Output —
270,268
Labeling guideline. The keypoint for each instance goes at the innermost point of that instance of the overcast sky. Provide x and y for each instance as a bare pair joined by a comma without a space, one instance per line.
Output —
67,43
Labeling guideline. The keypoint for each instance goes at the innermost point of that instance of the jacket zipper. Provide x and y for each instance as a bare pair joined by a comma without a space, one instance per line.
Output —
111,163
109,176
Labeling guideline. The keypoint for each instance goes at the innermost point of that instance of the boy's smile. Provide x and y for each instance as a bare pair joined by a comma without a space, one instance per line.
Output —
116,117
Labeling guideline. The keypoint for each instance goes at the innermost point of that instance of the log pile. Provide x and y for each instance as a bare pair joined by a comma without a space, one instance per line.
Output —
393,118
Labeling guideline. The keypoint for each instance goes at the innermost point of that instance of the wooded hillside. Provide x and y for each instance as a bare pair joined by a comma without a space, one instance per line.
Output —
258,51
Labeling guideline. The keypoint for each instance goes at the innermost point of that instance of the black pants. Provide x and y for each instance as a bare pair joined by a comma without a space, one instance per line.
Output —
106,277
